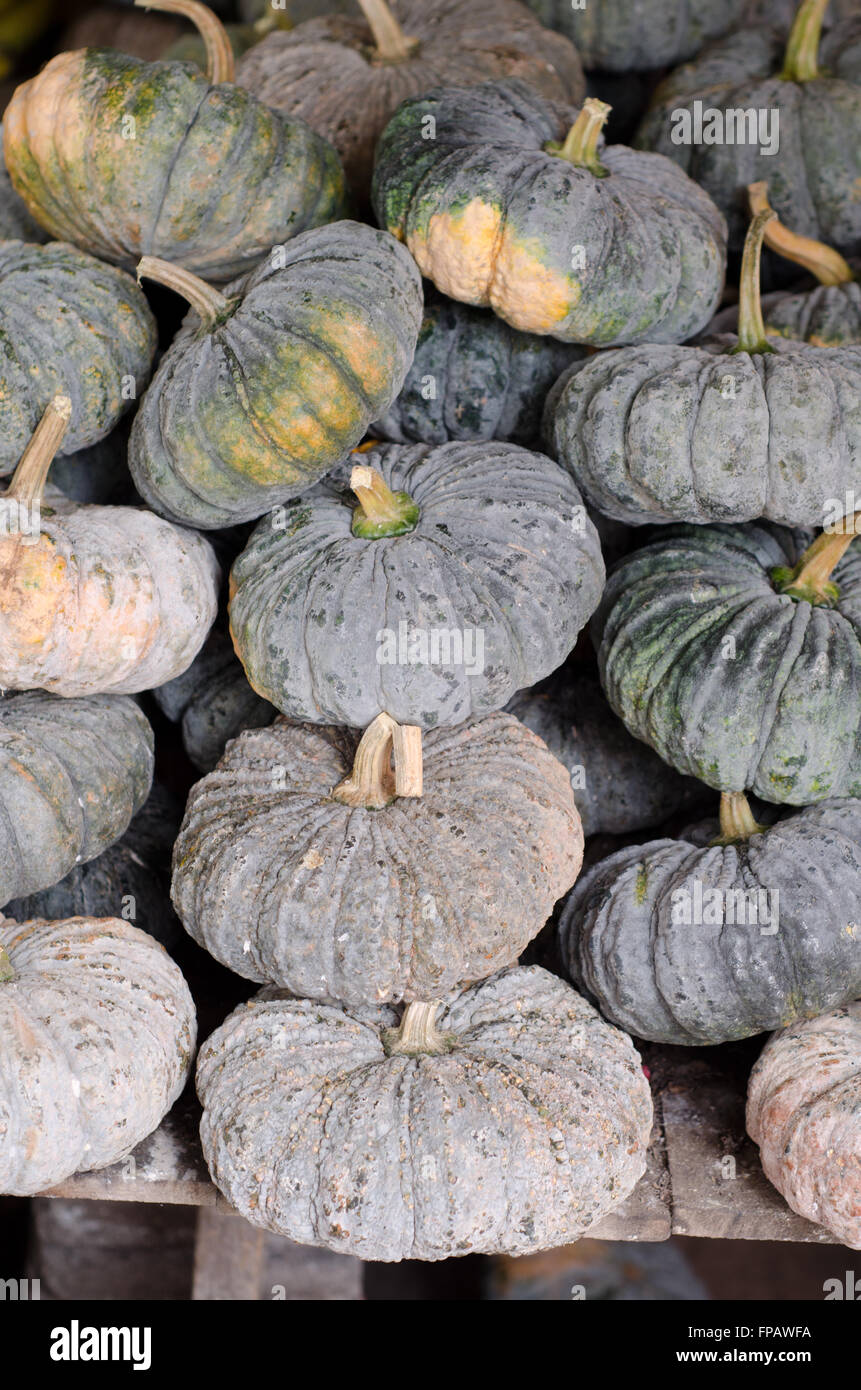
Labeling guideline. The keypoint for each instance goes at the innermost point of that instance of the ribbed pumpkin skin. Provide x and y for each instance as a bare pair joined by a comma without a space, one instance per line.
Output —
326,72
98,1031
474,377
492,219
521,1137
72,775
213,702
803,1107
827,316
174,190
703,434
502,548
283,884
245,415
626,943
625,786
68,324
107,600
782,717
635,35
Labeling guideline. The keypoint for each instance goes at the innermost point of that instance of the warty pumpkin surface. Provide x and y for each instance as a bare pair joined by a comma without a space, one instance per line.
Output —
804,1112
299,863
465,573
212,702
635,35
779,937
508,1117
72,775
269,385
98,1031
556,234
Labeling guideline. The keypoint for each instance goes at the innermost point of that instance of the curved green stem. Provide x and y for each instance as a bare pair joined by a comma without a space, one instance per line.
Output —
810,580
581,143
220,59
29,478
380,512
751,328
823,261
737,819
801,62
210,304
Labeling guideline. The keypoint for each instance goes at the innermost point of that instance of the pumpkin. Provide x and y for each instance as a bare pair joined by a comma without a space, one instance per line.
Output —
269,385
634,35
739,427
738,660
473,377
505,1117
619,784
502,208
127,158
69,324
465,573
213,702
688,945
95,599
346,76
98,1032
803,1109
811,154
72,775
16,224
305,862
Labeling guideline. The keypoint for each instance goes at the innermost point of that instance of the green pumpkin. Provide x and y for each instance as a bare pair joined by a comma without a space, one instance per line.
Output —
556,235
739,427
267,386
738,661
634,35
688,945
212,702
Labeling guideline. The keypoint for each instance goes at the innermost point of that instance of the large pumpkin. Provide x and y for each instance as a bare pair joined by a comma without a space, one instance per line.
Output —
212,702
634,35
301,863
127,158
97,1029
16,224
743,426
95,599
503,208
346,76
505,1117
688,945
269,385
464,574
804,1112
738,661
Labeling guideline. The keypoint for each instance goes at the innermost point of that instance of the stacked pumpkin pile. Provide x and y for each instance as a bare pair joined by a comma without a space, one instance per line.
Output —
394,788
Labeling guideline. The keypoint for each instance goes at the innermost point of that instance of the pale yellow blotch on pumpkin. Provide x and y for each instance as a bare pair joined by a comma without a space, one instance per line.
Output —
458,252
528,293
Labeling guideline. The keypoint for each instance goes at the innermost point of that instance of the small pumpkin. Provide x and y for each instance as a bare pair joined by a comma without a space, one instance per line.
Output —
303,860
635,35
688,945
73,773
505,1117
213,702
127,158
804,1112
474,377
346,76
464,574
98,1030
738,660
267,386
742,426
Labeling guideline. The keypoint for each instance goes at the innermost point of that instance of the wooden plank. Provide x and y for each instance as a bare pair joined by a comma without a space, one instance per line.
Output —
228,1257
645,1215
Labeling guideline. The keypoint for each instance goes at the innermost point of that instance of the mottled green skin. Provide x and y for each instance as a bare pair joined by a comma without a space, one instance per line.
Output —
68,324
488,380
213,702
627,945
783,717
248,413
827,316
16,224
654,245
634,35
815,175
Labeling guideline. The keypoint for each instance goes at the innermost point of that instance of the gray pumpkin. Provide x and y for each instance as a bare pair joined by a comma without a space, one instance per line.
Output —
72,774
288,869
511,206
634,35
512,1121
738,667
474,584
16,224
97,1029
619,784
213,702
474,377
688,945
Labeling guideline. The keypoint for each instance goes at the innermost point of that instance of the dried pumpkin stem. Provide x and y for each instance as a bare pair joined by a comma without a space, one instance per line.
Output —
418,1035
581,142
737,820
6,971
391,42
380,512
810,579
28,481
751,327
823,261
210,304
801,63
220,60
372,783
